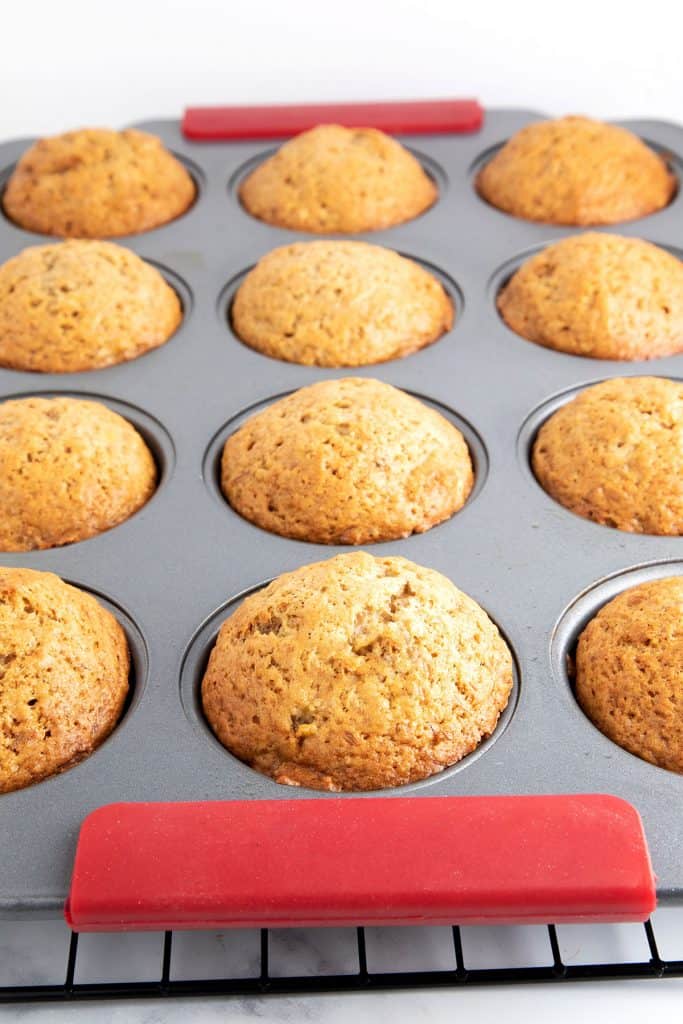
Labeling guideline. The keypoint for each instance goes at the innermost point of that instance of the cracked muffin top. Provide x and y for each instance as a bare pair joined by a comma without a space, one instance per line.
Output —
97,183
614,454
339,303
332,178
356,673
629,671
575,170
598,295
64,670
69,469
81,305
349,461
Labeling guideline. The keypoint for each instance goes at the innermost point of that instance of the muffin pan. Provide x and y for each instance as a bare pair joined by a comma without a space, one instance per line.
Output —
174,570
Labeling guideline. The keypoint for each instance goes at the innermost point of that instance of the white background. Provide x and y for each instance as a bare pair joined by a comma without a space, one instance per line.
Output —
73,63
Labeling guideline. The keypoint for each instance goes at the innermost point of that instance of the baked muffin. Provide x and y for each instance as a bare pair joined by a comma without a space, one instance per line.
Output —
338,179
81,305
97,183
576,171
600,296
614,455
339,304
629,671
63,676
69,469
347,462
356,673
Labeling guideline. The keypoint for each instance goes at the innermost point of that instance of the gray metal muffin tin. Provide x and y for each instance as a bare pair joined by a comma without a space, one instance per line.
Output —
173,572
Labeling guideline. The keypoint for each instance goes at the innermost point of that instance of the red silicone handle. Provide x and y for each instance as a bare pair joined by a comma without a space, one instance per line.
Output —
417,117
438,860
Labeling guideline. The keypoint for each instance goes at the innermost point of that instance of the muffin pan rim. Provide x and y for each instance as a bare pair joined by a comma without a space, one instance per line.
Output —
512,552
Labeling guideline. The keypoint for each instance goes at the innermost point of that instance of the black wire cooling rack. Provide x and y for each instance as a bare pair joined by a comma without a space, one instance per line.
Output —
363,980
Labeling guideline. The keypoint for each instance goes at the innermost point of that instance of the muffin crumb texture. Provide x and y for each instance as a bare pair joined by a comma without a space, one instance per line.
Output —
348,461
339,303
69,469
629,671
614,454
599,295
97,183
332,178
356,673
64,672
575,170
81,305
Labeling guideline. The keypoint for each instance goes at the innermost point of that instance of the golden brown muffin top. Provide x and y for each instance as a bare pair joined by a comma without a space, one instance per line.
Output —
629,671
338,179
69,469
97,183
81,305
575,170
599,295
339,303
614,454
63,675
356,673
347,461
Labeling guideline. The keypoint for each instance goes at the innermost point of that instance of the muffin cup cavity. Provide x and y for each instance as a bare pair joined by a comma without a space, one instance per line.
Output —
155,436
576,616
211,463
137,681
192,671
534,421
182,290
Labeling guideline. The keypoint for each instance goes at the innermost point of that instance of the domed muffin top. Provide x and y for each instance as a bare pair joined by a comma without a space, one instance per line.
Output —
339,303
575,170
97,183
347,461
81,305
332,178
356,673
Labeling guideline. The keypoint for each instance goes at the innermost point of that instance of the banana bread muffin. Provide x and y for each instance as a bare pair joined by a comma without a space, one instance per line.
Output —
356,673
63,676
81,305
629,671
576,171
600,296
69,469
347,462
97,183
338,179
339,304
614,455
